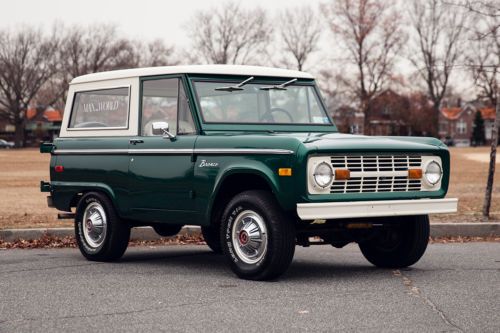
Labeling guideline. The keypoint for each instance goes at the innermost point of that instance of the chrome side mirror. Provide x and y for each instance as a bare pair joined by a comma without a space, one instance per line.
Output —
161,128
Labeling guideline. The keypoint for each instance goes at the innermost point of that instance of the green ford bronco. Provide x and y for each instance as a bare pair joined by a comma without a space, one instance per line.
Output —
251,155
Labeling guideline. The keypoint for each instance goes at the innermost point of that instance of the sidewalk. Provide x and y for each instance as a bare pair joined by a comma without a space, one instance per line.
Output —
477,229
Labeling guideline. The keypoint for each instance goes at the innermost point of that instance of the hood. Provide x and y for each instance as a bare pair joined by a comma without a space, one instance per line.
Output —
347,142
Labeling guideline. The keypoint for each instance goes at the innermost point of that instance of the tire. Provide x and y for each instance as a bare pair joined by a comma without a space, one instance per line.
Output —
96,240
257,215
401,246
167,230
211,235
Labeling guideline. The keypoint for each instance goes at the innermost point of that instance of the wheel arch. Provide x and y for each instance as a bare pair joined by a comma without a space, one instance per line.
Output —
67,196
234,181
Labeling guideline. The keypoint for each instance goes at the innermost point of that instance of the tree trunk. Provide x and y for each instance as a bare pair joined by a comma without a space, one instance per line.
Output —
19,134
491,170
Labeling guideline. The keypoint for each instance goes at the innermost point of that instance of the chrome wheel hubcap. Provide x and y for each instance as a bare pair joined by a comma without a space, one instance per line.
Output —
94,225
249,236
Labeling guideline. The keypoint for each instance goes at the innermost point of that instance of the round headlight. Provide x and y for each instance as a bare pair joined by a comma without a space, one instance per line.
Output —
433,173
323,174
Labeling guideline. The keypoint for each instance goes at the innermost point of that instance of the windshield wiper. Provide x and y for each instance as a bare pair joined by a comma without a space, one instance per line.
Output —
279,86
239,86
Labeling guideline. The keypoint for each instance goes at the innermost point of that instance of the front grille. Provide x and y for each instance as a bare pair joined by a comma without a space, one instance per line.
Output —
376,173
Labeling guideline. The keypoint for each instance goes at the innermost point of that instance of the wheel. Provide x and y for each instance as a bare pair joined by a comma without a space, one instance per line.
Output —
211,235
257,239
167,230
100,234
399,246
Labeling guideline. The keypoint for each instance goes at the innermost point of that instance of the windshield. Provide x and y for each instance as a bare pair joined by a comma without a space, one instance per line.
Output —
260,104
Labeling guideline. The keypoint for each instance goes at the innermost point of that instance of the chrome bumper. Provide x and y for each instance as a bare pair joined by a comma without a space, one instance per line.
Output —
353,209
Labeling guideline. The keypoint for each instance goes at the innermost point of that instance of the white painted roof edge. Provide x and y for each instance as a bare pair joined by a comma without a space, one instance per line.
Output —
193,69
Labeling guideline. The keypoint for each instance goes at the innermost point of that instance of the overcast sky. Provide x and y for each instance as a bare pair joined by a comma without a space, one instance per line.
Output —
151,19
148,19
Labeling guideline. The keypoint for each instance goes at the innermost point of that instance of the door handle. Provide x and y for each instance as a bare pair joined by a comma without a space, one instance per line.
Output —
135,141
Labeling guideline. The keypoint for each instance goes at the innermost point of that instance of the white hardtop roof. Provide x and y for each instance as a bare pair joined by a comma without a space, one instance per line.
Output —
193,69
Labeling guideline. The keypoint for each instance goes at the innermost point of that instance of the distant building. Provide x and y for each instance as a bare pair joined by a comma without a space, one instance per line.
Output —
349,120
389,115
41,125
457,123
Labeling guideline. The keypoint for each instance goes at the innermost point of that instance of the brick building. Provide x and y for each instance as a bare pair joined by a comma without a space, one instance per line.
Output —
457,123
41,125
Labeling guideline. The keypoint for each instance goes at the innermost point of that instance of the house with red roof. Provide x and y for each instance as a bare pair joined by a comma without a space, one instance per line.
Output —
457,123
41,125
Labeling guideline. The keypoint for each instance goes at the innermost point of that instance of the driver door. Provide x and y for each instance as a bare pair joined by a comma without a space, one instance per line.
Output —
161,167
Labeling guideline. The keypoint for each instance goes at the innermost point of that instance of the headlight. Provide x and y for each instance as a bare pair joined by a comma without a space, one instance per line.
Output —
433,173
323,174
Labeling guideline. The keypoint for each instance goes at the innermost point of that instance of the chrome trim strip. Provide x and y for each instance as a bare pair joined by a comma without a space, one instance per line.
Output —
355,209
251,151
200,151
90,152
160,151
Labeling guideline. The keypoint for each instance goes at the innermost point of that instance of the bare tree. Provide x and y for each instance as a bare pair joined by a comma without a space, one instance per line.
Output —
154,53
370,31
437,30
485,67
483,56
26,64
85,50
229,34
300,31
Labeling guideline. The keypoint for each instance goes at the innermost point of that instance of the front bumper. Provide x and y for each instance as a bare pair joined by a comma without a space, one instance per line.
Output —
355,209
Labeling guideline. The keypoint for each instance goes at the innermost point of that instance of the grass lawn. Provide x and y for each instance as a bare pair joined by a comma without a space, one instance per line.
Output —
22,205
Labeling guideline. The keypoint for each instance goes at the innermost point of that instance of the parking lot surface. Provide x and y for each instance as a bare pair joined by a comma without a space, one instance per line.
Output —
455,287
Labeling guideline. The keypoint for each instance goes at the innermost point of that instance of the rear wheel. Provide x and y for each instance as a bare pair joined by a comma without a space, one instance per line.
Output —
100,234
257,239
399,246
211,235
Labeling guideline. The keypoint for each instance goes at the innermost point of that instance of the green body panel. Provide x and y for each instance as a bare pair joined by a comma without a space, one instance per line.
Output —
181,187
161,186
107,172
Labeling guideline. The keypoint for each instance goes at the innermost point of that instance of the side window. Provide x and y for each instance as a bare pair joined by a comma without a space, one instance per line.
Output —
186,123
161,99
159,103
106,108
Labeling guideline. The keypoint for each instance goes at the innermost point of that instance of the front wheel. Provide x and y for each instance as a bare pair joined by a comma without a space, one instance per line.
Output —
257,239
211,235
100,234
399,246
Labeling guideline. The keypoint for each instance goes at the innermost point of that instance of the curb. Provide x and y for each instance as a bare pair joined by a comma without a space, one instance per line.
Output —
139,233
479,229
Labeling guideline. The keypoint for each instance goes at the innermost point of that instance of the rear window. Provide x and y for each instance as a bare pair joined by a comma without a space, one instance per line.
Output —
106,108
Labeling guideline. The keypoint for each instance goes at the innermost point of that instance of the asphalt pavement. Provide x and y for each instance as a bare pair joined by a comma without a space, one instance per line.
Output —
455,287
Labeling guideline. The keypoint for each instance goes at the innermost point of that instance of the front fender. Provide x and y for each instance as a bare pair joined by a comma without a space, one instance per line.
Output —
280,187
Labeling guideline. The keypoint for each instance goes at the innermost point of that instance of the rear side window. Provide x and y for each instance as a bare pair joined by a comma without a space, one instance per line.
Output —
107,108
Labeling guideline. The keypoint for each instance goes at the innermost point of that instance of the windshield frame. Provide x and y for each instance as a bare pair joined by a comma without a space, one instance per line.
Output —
247,126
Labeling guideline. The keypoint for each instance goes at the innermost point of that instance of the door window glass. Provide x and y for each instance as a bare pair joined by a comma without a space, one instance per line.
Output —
159,104
186,123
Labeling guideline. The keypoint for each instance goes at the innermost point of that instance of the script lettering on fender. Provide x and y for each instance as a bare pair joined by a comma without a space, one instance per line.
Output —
205,163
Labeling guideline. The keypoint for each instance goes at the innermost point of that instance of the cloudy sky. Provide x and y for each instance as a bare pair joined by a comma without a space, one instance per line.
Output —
148,19
151,19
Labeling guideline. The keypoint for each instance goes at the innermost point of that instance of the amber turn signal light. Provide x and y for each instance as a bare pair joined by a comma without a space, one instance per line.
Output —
342,174
285,172
415,173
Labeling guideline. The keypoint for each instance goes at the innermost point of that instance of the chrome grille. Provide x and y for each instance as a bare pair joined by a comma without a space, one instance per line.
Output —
376,173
